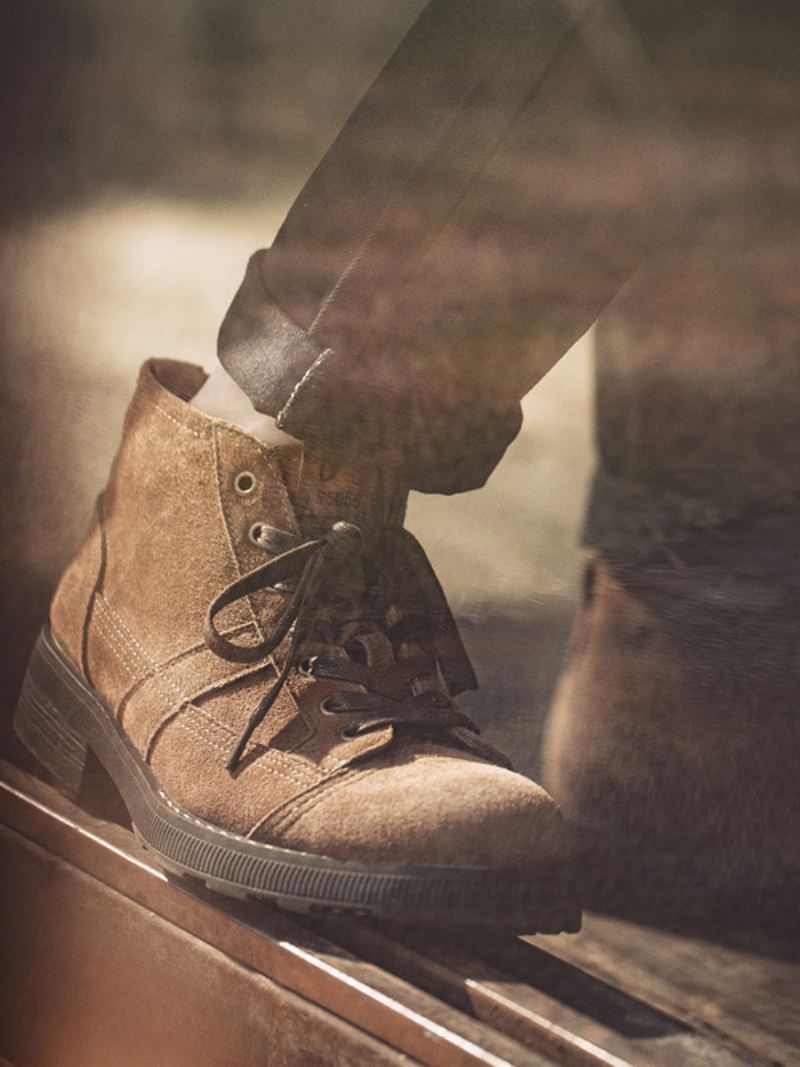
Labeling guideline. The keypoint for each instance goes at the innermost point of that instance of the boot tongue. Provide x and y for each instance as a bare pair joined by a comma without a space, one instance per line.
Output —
323,493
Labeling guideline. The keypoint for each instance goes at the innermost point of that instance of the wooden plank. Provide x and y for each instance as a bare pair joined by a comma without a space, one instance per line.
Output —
532,996
392,1010
91,978
468,982
474,993
746,1000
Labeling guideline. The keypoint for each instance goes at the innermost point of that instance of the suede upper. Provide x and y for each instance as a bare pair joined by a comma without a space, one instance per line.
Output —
173,528
665,741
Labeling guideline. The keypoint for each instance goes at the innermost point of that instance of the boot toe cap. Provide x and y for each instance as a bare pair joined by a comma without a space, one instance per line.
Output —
430,810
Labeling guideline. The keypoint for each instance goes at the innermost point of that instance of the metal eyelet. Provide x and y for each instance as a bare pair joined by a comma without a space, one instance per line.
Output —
325,706
245,483
306,667
255,532
350,732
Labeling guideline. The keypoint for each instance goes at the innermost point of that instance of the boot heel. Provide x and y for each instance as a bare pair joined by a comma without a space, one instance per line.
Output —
43,723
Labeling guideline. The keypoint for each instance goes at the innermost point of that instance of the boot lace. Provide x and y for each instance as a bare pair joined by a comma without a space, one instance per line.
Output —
308,570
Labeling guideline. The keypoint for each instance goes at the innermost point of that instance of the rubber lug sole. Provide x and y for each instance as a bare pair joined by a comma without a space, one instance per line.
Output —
64,722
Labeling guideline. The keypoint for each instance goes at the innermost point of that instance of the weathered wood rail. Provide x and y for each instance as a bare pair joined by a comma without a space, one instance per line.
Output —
107,961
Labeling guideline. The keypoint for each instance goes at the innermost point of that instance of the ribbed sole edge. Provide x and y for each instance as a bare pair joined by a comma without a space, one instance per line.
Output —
61,719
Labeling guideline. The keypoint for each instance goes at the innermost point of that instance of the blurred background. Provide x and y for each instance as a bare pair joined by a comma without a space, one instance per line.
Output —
147,150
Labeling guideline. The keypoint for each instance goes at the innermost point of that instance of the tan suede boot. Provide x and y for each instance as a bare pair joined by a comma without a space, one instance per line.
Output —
269,686
673,743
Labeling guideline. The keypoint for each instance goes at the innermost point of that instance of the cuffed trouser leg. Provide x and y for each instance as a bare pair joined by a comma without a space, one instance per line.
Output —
673,739
699,356
490,194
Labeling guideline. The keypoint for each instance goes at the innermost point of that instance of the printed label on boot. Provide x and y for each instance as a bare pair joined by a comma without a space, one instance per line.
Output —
357,494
